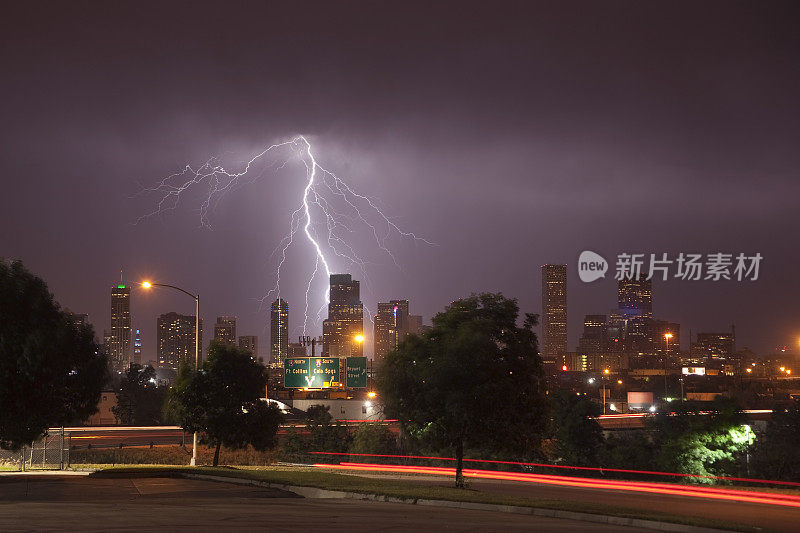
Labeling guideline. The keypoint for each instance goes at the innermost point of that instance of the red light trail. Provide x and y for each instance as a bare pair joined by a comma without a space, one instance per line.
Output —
567,467
766,498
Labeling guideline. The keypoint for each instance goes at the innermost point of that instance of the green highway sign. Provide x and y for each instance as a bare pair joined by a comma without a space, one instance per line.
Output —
356,372
295,372
311,372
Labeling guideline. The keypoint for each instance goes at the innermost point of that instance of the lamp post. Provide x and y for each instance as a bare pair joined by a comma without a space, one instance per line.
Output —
359,339
667,336
148,285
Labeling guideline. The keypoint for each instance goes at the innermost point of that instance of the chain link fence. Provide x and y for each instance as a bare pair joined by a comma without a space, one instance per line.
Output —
51,452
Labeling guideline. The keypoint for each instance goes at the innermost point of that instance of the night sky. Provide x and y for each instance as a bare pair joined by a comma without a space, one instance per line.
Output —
510,134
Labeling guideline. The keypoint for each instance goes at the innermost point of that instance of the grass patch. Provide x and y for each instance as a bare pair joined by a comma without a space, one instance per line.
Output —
409,490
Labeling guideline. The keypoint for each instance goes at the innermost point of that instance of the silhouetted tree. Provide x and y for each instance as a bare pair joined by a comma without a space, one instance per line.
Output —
51,370
776,454
223,401
578,436
474,380
139,400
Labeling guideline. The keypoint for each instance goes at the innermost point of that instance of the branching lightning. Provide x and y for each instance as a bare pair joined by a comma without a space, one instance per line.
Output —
323,192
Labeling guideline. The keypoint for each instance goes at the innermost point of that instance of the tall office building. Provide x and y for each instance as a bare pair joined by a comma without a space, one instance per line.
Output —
225,330
345,318
176,339
594,339
120,342
137,347
709,346
415,326
635,299
78,319
278,331
661,345
391,325
296,349
108,340
554,313
249,343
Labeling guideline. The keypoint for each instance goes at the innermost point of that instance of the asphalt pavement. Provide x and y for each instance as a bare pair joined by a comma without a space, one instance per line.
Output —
768,517
80,503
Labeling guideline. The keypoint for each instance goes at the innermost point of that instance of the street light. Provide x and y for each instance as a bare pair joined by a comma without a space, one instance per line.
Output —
667,336
359,338
148,285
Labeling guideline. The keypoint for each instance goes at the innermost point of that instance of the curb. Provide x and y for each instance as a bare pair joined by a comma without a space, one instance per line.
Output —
313,492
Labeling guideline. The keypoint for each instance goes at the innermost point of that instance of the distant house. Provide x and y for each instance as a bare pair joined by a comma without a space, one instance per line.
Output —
104,416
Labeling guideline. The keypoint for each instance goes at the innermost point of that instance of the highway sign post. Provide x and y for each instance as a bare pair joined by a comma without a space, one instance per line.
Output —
311,372
356,372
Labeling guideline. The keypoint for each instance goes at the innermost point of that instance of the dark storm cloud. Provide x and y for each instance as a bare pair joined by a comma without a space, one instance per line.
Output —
512,133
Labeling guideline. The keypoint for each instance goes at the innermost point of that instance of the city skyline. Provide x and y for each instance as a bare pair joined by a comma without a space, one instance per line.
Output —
630,296
626,136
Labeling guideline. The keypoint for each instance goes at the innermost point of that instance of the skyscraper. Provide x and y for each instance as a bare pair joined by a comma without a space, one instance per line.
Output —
137,348
635,299
415,326
661,346
175,339
278,331
710,346
345,318
594,339
79,319
391,325
554,313
225,330
250,343
120,341
108,340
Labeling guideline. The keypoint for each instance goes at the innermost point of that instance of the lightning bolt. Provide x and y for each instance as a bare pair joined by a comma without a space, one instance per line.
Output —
324,191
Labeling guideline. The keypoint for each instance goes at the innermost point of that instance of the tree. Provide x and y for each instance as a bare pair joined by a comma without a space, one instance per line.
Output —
578,436
223,401
51,370
630,450
702,439
139,400
776,454
474,380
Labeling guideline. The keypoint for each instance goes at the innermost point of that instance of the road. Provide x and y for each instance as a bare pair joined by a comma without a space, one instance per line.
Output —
70,503
772,517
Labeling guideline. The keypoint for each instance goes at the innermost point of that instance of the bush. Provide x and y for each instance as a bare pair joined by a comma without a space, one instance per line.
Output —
321,434
373,439
172,455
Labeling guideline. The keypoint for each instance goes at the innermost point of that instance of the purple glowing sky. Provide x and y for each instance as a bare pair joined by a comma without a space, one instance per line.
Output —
511,135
